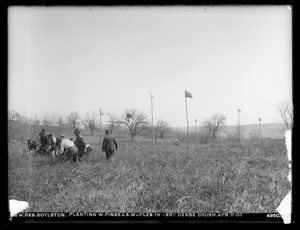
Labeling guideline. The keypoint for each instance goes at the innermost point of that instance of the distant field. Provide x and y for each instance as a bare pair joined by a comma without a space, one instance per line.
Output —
24,132
245,178
271,130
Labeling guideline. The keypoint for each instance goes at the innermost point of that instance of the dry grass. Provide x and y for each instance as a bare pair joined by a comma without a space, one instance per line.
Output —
211,178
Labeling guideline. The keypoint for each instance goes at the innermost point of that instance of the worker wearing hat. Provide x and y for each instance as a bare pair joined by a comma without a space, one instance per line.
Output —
44,142
109,145
79,143
65,145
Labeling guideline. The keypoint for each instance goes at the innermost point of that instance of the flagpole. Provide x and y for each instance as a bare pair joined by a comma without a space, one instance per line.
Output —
152,118
187,125
260,131
124,136
238,125
195,129
100,121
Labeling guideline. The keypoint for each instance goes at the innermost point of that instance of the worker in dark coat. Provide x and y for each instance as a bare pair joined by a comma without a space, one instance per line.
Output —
44,142
109,145
80,144
43,131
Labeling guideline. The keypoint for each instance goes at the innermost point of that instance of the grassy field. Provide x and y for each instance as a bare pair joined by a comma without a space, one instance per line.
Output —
244,178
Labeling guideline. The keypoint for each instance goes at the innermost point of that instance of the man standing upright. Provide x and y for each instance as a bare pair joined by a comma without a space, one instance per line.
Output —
109,145
80,144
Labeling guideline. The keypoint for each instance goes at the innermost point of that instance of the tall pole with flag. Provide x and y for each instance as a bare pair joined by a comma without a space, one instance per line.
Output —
151,97
196,129
101,113
189,95
259,120
239,124
124,135
126,123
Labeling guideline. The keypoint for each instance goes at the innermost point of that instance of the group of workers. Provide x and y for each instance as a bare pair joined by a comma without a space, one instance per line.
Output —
74,150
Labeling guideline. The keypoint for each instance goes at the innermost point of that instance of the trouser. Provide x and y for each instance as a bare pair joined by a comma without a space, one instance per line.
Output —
109,154
52,151
52,148
72,153
80,153
42,149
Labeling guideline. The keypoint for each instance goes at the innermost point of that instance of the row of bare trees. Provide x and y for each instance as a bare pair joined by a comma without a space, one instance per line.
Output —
135,122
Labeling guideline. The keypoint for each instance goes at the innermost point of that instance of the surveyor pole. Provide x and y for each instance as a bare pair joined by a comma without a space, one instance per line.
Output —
260,130
152,118
239,125
196,129
187,127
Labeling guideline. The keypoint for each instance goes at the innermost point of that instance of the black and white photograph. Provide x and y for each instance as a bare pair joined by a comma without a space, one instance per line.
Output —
150,113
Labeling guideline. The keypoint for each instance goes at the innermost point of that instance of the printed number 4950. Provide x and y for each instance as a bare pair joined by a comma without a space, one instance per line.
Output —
273,215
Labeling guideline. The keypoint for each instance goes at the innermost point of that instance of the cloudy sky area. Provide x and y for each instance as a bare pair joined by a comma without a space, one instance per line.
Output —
64,59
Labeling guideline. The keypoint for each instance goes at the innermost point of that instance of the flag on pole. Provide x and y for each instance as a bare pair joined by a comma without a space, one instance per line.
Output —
128,116
188,94
151,95
196,120
259,119
239,110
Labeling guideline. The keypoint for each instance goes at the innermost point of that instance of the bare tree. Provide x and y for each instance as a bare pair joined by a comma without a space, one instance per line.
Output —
73,119
12,115
136,122
15,116
286,114
161,128
60,122
216,124
46,121
113,122
90,121
36,122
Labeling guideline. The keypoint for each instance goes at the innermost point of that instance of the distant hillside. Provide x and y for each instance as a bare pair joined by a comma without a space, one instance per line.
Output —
271,130
23,132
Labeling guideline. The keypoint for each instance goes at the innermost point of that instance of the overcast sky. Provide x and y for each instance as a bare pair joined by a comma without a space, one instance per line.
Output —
64,59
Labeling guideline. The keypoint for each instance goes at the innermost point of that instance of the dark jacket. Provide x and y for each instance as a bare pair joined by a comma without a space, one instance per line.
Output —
44,140
80,143
109,144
